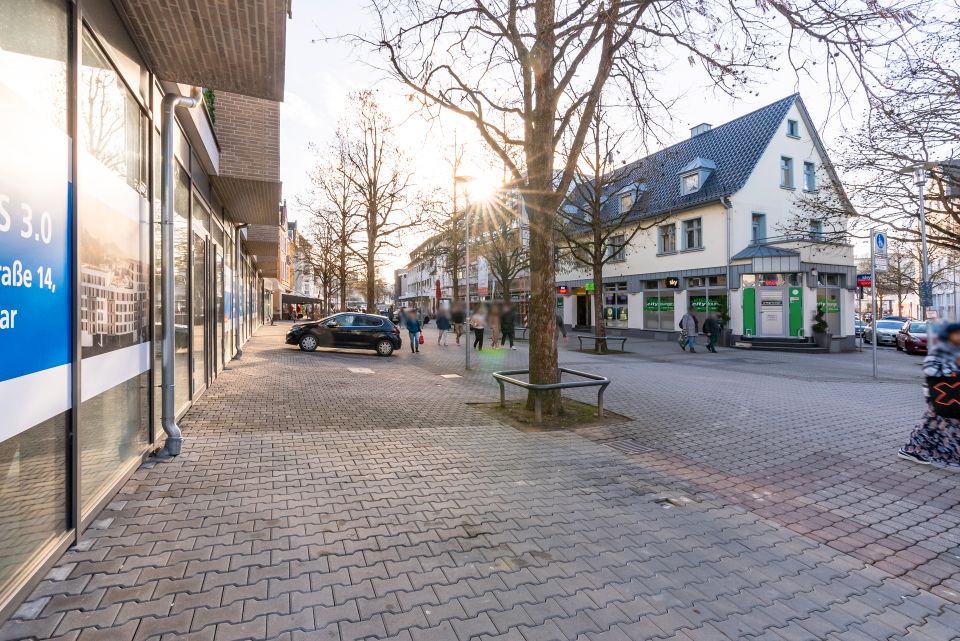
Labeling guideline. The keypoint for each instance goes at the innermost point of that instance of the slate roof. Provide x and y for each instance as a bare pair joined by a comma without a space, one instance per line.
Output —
763,251
735,147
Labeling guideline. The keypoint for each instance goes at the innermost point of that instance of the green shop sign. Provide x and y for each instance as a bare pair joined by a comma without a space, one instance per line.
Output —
828,305
589,287
658,304
704,304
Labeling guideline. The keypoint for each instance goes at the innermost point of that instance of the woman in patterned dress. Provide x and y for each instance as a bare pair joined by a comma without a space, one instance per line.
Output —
936,439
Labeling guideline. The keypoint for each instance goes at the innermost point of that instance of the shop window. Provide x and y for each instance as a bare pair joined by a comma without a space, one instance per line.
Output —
695,281
717,281
693,234
828,301
658,307
786,172
615,304
667,235
748,280
113,217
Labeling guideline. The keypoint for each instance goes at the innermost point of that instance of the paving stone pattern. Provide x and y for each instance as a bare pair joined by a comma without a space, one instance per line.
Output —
312,502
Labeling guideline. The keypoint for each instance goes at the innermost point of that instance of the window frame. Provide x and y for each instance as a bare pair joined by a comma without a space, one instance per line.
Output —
621,198
786,170
815,228
615,252
687,226
793,128
809,176
661,247
696,184
758,233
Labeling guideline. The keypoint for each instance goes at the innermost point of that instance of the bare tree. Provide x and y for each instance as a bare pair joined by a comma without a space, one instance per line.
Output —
380,174
500,240
448,244
529,76
335,208
603,213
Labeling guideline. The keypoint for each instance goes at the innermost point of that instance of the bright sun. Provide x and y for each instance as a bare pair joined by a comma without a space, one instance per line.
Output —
484,186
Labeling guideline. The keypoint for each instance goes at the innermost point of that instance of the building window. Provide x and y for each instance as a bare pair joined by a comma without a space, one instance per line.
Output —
693,234
616,248
668,239
615,304
809,176
786,172
758,228
626,202
793,129
691,183
816,229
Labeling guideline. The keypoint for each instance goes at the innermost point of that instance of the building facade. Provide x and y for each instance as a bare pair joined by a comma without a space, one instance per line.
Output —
81,90
722,216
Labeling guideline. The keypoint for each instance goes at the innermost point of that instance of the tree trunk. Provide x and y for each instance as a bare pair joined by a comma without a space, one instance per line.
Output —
599,327
371,272
542,316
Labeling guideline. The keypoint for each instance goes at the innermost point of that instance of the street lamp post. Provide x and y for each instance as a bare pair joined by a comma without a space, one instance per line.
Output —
466,180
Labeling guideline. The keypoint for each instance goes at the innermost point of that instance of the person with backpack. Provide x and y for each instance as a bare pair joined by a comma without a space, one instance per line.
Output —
688,331
712,328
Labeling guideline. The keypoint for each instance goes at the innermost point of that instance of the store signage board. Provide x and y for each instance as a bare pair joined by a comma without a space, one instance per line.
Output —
863,280
672,282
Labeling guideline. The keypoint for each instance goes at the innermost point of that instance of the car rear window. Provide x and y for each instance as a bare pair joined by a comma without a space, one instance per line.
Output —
918,328
371,321
889,325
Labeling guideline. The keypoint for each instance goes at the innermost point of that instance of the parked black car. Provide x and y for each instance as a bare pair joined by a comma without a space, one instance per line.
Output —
349,329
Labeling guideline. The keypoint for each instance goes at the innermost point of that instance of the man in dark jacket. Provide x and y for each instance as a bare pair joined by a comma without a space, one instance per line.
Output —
507,325
712,328
458,317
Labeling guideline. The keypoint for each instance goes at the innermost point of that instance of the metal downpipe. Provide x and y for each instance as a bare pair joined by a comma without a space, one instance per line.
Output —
168,418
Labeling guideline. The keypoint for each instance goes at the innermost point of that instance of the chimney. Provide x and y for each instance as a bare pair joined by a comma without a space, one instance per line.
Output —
703,127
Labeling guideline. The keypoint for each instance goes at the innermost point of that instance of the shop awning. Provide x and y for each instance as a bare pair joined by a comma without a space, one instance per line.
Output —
293,299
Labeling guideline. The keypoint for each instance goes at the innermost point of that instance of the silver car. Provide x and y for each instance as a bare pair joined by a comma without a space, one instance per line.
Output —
885,331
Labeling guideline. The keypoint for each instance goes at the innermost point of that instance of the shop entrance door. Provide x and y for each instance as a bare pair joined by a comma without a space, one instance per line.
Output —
584,315
771,312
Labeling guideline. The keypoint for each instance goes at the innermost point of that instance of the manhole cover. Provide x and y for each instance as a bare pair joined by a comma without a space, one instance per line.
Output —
360,370
628,446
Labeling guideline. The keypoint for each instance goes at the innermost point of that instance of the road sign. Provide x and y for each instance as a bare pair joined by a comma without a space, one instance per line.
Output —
926,294
880,264
880,244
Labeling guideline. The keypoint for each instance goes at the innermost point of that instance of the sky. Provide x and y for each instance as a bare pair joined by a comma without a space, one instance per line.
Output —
322,71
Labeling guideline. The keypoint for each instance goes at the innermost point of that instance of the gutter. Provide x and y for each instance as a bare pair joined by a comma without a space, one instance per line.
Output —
727,207
168,419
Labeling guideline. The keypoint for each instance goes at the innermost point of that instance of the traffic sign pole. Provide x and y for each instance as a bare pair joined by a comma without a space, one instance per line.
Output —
873,298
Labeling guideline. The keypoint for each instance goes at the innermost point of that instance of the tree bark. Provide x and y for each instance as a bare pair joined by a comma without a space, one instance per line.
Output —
599,326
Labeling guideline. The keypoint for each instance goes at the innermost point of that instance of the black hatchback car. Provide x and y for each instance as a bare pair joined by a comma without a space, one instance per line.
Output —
349,329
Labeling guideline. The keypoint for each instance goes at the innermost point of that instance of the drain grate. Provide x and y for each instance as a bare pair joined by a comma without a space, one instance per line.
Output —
628,446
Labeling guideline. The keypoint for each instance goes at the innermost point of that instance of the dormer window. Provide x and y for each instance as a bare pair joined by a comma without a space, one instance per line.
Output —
695,174
626,202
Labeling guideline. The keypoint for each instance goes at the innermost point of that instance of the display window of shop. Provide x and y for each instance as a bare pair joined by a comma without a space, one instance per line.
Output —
828,301
615,304
707,295
35,319
113,260
658,305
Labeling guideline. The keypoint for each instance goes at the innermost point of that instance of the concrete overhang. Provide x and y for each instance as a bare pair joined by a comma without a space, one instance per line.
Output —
256,202
223,45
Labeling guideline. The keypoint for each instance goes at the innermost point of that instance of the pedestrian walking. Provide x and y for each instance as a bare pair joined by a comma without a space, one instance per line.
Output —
443,327
688,331
561,328
493,319
712,328
414,329
478,322
458,318
508,321
936,438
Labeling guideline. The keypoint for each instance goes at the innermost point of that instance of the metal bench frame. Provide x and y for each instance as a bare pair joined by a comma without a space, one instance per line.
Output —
593,380
596,339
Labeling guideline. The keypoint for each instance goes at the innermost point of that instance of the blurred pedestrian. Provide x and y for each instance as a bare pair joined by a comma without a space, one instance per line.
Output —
507,325
458,317
561,328
414,329
936,439
688,332
478,322
443,327
712,328
494,322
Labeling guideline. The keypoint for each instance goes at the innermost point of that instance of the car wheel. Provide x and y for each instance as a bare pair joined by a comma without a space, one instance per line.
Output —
384,347
308,342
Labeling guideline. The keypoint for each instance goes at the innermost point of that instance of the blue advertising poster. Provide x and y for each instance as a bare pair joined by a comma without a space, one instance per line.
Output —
34,246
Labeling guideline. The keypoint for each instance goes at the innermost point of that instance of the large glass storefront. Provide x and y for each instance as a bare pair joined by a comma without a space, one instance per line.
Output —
707,295
658,305
35,290
84,326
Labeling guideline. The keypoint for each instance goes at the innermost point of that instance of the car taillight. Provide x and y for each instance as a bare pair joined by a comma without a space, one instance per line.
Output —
394,330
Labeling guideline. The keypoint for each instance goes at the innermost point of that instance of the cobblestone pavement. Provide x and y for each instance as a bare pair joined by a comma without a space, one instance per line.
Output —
340,496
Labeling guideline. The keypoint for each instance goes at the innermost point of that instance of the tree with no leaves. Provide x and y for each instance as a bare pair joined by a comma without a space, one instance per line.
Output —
379,174
602,214
529,76
499,239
